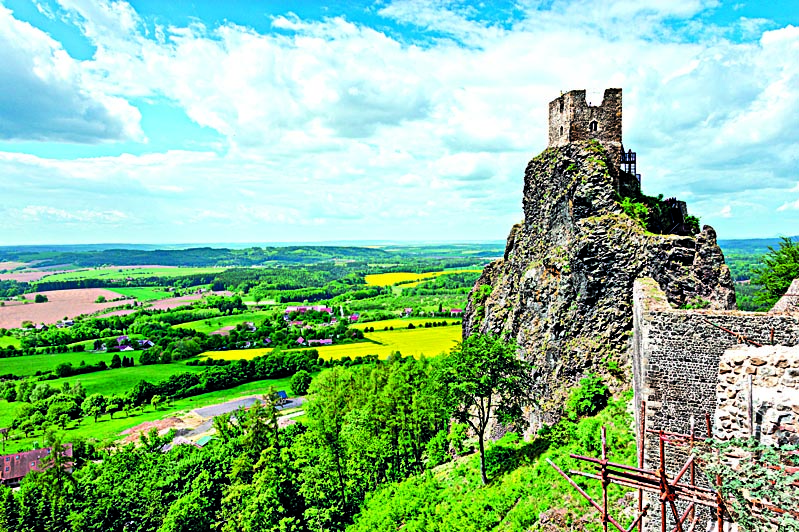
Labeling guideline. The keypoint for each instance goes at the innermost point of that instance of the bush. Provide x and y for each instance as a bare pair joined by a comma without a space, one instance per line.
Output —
437,450
587,399
300,382
40,298
637,211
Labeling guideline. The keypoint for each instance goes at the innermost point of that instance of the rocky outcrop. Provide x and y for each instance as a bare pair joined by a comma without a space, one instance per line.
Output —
788,303
563,289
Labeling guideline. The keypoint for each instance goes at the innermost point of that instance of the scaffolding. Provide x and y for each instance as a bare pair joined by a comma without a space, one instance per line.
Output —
669,489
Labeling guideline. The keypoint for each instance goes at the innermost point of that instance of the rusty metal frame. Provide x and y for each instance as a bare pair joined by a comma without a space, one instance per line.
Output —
669,489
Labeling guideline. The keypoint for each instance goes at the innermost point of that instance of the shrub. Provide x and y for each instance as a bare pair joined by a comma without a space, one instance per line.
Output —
637,211
40,298
437,450
300,382
587,399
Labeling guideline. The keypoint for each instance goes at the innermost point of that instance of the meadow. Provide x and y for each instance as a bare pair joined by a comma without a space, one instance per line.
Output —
120,380
210,325
30,364
143,293
106,429
7,341
407,279
430,342
122,273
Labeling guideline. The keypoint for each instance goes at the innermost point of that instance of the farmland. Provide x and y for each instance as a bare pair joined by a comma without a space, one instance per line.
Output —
125,272
430,342
60,304
28,365
407,279
399,323
143,293
6,341
119,381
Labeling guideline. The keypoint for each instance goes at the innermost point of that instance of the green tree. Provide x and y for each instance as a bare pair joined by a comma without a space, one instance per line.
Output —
780,268
483,378
94,405
300,382
116,362
40,298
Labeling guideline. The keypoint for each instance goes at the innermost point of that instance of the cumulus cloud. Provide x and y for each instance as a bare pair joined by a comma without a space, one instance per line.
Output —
335,122
43,95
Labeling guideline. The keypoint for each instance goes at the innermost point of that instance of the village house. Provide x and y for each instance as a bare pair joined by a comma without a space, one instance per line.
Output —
456,312
325,341
16,466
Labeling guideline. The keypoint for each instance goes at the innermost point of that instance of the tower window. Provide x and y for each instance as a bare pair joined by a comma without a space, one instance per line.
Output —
561,130
593,126
561,105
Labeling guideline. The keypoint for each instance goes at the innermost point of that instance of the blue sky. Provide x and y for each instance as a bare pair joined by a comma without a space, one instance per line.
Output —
162,122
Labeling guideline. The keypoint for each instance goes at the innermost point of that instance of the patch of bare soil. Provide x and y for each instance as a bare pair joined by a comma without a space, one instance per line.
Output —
181,424
59,304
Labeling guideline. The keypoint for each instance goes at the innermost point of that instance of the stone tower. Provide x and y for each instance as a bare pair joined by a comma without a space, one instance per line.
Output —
572,119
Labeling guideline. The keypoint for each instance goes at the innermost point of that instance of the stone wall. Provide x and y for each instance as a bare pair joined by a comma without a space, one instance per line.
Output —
757,395
676,353
572,119
677,356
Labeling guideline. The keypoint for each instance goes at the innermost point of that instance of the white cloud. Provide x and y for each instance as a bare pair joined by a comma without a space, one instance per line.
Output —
41,213
789,206
43,95
336,122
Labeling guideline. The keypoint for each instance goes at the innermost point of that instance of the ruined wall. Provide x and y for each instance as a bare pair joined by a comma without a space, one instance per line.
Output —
571,119
677,359
676,354
768,379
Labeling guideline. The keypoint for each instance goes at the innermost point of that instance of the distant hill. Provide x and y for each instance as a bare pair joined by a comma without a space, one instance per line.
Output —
750,246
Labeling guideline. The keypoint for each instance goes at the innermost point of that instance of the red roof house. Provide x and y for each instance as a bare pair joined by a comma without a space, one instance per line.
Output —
15,466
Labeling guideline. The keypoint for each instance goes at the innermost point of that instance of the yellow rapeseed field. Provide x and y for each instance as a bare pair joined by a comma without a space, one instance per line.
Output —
390,279
410,342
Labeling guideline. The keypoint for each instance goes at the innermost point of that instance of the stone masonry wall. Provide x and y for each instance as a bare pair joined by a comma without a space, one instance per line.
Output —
676,359
570,118
769,378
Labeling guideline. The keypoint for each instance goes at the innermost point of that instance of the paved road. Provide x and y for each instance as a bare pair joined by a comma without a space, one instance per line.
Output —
224,408
209,412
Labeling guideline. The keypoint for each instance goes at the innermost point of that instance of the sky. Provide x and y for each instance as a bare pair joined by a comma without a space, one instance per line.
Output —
237,121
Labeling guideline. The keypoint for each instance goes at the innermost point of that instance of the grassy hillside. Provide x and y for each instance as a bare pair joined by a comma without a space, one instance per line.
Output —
106,430
213,324
524,487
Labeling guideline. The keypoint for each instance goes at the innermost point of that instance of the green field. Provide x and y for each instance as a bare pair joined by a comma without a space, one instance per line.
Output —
212,324
123,273
28,365
144,293
120,380
430,342
6,341
107,429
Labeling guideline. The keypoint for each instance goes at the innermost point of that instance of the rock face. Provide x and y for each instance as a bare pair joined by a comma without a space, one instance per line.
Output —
564,287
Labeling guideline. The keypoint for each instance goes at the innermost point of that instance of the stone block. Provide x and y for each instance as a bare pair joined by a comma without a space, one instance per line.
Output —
757,361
